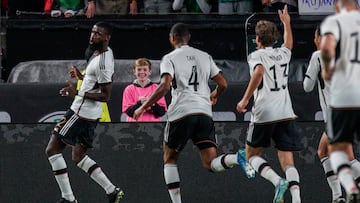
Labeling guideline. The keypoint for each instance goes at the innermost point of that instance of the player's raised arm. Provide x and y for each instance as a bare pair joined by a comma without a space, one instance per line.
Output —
285,19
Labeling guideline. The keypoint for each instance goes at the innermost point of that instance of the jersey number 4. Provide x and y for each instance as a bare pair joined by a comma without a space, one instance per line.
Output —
193,80
283,66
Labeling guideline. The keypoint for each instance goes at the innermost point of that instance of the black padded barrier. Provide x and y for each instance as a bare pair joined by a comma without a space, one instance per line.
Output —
131,156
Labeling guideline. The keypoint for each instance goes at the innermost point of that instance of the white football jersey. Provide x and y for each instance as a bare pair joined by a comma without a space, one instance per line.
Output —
99,70
191,70
345,82
313,75
271,99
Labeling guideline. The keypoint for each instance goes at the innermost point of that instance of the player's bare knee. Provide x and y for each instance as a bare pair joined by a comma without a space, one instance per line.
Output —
321,152
250,152
170,157
51,150
76,157
78,152
55,146
169,160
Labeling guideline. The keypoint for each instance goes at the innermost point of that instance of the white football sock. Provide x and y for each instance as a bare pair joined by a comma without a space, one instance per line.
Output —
292,176
172,181
341,165
263,168
89,166
58,166
331,178
355,166
223,162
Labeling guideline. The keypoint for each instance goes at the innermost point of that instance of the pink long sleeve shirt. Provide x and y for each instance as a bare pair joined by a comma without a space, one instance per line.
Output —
131,96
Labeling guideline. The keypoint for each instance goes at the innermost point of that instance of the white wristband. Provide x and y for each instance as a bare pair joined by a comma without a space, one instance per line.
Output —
81,93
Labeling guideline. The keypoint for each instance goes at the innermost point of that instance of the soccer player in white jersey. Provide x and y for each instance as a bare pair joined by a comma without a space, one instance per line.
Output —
272,112
187,71
77,126
313,76
340,53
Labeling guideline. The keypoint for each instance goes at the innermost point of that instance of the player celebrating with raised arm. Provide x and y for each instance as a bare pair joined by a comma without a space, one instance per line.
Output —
272,113
77,126
187,71
340,50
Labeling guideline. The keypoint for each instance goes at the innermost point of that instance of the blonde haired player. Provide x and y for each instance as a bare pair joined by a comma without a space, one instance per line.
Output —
272,113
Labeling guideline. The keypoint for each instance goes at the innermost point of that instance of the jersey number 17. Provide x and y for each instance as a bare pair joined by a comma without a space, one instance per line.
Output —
273,68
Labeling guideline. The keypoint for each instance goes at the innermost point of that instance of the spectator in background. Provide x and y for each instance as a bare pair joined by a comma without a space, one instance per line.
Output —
136,6
68,7
108,7
235,6
139,91
275,5
192,6
157,6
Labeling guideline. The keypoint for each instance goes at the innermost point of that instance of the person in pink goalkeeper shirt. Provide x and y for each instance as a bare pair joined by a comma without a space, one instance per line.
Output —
139,91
